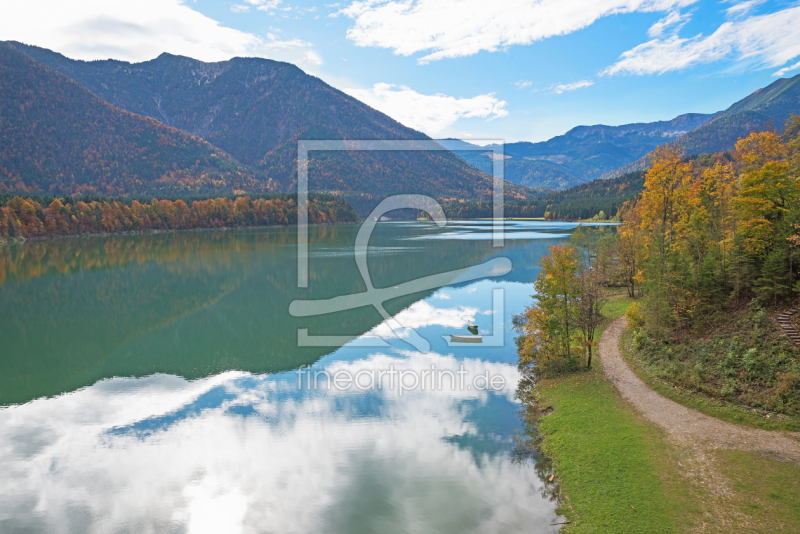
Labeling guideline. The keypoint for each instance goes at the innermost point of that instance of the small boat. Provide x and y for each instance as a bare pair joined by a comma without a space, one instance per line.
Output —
455,338
472,327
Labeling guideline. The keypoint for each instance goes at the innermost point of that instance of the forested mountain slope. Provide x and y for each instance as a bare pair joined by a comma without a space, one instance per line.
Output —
771,105
57,137
598,199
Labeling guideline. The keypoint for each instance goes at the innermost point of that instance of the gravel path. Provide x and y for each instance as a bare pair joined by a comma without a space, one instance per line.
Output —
686,426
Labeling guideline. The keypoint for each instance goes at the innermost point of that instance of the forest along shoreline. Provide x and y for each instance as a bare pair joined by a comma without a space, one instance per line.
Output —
35,217
30,216
708,258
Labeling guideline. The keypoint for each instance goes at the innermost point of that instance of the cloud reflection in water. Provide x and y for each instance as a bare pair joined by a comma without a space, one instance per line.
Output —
250,453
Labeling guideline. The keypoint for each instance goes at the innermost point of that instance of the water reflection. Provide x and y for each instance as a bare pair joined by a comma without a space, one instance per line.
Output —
255,454
199,303
216,435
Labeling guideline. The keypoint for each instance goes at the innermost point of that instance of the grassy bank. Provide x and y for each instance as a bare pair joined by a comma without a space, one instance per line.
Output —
609,461
614,467
765,492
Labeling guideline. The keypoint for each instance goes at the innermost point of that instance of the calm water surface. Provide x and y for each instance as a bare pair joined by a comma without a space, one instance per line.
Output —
155,384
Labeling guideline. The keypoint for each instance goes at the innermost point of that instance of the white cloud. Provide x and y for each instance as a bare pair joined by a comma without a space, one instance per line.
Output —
673,22
743,8
768,40
312,57
787,69
428,113
268,4
421,314
456,28
265,5
136,30
236,8
558,89
522,84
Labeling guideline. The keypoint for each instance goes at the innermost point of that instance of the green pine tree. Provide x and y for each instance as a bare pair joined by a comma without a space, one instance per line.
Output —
12,231
773,284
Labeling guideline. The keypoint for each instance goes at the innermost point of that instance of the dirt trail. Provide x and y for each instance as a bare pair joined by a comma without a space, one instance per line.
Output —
685,426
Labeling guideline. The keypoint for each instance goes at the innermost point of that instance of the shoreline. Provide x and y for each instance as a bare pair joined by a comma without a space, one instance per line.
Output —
16,240
19,240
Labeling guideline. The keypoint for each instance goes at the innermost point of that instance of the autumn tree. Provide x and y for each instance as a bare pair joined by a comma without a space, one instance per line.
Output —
597,266
561,324
631,246
719,186
768,192
547,326
666,192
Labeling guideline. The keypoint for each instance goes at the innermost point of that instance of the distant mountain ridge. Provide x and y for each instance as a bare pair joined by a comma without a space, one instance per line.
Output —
257,109
584,153
242,119
766,107
676,127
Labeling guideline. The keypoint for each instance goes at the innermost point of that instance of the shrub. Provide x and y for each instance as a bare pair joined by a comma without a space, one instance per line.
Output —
634,316
748,362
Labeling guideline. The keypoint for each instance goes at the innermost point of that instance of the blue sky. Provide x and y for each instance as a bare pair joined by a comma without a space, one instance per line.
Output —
475,69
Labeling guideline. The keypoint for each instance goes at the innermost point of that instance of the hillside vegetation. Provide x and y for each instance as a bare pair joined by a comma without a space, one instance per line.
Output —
719,250
599,199
711,248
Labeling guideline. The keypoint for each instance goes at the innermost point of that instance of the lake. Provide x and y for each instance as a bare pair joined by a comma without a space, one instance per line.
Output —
158,383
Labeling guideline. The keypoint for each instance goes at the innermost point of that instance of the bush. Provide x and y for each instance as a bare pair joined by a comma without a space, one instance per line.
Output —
749,364
634,316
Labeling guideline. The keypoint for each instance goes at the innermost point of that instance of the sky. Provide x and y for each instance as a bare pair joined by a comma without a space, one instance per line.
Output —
480,70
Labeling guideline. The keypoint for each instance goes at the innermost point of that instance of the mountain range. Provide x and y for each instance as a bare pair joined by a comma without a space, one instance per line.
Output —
255,110
584,153
588,152
769,107
177,126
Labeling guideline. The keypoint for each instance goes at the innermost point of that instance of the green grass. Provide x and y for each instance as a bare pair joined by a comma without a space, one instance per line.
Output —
768,491
609,461
721,410
616,307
